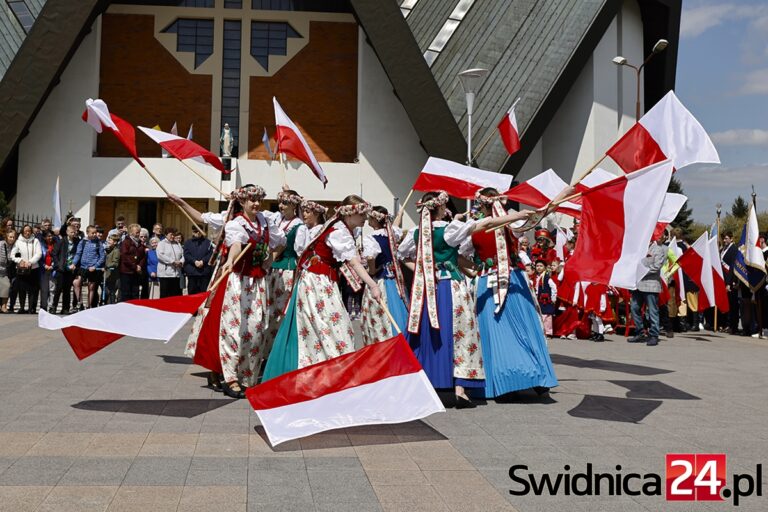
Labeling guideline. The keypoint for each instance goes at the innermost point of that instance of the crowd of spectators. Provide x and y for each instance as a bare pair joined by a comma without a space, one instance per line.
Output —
44,267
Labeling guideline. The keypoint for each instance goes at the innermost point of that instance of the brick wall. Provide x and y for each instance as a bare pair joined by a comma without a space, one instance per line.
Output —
144,84
317,88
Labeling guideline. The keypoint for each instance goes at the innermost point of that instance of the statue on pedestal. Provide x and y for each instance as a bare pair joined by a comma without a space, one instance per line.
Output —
227,141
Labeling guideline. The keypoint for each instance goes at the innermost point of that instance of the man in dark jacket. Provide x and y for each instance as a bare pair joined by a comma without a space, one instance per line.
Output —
197,254
67,275
133,259
728,257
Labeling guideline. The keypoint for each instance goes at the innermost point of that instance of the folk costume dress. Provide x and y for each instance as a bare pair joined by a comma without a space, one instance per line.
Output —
514,347
442,327
316,326
243,337
283,269
376,325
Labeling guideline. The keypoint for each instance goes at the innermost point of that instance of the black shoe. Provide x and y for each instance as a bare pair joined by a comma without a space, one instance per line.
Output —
541,390
21,312
598,337
695,328
463,403
652,342
638,338
670,334
214,383
232,393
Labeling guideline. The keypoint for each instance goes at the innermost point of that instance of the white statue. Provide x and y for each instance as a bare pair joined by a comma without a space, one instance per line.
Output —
227,141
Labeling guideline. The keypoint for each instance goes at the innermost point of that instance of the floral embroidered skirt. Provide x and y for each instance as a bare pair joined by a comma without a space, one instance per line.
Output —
244,323
451,356
316,327
514,347
376,325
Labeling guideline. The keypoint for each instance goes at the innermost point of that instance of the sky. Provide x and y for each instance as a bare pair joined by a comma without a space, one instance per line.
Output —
722,77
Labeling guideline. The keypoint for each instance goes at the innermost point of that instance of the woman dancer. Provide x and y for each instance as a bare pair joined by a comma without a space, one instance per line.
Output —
514,348
316,326
244,314
313,215
286,257
441,321
379,248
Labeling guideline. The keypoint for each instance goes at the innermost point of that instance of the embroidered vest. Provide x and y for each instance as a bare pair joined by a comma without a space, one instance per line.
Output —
288,259
251,263
446,257
319,259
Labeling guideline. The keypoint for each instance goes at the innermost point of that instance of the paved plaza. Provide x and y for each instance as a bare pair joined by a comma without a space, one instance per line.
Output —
134,428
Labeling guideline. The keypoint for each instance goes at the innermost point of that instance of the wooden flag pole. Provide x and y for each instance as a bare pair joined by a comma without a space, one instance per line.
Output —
719,206
284,161
545,210
214,187
391,318
225,274
589,171
167,193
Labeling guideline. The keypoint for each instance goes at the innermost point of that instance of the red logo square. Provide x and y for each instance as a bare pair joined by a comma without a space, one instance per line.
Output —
695,476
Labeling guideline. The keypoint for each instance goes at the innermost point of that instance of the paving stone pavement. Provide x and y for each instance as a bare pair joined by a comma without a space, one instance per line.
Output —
134,428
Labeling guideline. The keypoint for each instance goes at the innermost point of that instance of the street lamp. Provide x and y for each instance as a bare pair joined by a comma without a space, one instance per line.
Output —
470,80
659,47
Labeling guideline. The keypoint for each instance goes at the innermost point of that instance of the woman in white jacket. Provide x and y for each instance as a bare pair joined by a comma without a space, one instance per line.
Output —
170,261
26,253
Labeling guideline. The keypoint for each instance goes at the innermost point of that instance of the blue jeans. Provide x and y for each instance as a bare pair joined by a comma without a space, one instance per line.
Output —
651,301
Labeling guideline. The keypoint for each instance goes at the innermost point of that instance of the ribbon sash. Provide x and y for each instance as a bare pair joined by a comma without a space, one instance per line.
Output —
501,284
424,278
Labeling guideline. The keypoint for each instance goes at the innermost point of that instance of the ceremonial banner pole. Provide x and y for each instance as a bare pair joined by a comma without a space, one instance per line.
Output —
758,296
154,178
214,187
719,207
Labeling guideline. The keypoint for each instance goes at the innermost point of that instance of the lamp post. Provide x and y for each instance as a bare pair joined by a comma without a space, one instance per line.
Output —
659,47
470,80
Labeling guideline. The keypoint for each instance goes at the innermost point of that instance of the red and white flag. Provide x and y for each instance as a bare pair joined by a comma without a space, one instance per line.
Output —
617,221
182,148
718,280
508,131
697,263
98,116
458,180
291,142
671,206
382,383
153,319
541,190
668,130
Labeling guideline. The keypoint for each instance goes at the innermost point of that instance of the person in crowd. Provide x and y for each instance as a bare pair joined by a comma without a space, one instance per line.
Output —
546,294
245,317
285,258
158,231
67,274
515,355
442,326
7,268
170,262
90,259
197,255
728,258
133,260
7,225
112,266
45,225
144,287
26,253
154,282
313,214
75,221
647,293
119,229
316,326
543,249
48,269
380,250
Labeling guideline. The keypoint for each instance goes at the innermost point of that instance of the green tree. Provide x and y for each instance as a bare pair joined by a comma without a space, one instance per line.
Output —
740,208
684,218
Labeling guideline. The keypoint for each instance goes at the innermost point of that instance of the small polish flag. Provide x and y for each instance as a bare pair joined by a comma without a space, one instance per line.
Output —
671,206
697,263
98,116
668,130
291,142
617,221
510,136
93,329
458,180
541,190
267,145
174,131
382,383
184,148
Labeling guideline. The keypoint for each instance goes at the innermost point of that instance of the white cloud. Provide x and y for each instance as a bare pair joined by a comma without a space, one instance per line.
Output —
707,185
755,82
695,21
742,137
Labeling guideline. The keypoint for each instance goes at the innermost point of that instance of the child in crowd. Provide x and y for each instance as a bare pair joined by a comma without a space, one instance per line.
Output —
112,263
546,293
90,258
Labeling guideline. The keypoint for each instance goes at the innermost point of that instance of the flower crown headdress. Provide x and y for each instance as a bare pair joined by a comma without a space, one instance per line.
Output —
435,202
489,200
287,197
314,207
352,209
252,192
379,216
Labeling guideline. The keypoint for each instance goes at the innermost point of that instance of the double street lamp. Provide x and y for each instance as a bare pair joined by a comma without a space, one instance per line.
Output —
659,47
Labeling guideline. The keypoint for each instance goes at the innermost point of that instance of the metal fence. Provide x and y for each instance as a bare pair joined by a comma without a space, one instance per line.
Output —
22,219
